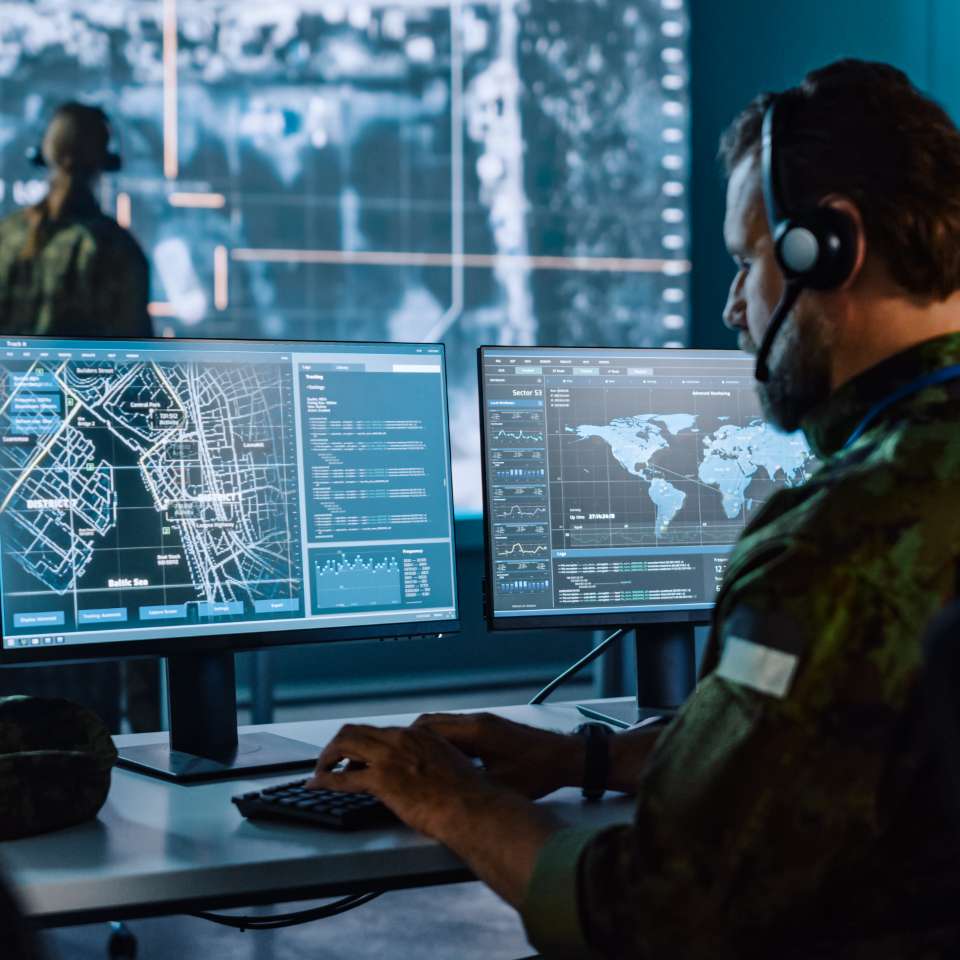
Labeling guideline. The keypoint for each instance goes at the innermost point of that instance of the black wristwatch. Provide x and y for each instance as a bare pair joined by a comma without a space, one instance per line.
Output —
596,758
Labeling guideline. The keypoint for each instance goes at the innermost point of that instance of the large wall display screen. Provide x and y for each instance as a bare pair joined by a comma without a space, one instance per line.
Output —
419,170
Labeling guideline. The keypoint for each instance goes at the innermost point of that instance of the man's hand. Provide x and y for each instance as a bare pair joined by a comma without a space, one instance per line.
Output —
433,787
423,779
531,761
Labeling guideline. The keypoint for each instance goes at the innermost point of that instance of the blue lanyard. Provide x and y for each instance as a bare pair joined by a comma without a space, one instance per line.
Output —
943,375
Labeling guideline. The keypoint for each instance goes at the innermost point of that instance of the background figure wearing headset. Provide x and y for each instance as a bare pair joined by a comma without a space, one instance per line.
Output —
67,269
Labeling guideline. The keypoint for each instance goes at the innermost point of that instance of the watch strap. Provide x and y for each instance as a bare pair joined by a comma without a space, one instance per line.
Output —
596,759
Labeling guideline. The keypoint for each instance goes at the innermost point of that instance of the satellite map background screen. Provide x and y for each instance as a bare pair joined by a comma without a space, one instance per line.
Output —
463,171
153,489
619,480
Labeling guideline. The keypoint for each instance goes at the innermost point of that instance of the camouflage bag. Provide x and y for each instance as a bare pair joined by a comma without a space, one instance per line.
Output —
55,763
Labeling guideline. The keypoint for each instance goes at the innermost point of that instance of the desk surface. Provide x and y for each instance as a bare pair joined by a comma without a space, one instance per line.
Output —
159,848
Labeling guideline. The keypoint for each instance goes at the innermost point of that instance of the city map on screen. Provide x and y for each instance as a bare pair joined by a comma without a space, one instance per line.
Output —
504,172
153,488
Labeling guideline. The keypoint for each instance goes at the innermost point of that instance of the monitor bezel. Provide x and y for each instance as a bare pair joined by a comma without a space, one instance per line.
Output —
565,619
253,640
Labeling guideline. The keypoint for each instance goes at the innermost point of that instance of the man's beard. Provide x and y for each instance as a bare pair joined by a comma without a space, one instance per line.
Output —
799,369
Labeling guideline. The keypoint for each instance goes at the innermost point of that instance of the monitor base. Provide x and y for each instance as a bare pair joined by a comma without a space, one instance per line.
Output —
666,675
623,714
257,754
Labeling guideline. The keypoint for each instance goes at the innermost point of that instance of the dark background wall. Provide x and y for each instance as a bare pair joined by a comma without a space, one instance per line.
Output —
737,48
741,47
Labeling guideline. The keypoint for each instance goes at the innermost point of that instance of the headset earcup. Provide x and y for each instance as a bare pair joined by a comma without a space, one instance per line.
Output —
817,249
838,248
111,162
797,249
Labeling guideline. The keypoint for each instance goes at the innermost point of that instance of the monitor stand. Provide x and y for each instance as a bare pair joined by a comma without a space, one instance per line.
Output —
204,744
666,674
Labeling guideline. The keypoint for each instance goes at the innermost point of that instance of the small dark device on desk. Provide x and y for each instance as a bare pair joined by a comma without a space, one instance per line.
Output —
616,483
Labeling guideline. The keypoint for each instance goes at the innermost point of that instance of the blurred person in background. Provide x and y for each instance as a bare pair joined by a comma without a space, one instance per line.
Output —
66,268
69,270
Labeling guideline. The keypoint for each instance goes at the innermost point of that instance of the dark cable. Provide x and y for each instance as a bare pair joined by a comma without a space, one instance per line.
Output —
279,921
791,291
578,666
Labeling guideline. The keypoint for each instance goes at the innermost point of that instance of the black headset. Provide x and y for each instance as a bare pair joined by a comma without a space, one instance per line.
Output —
112,161
815,248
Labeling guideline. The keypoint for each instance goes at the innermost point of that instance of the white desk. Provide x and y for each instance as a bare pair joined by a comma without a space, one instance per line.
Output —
159,848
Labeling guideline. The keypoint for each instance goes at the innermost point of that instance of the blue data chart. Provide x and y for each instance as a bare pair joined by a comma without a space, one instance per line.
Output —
357,580
521,585
409,577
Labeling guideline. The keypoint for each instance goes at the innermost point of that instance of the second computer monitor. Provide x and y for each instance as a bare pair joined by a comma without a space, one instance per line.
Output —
616,482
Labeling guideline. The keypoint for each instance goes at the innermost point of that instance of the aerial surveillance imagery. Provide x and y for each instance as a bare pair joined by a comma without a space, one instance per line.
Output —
473,172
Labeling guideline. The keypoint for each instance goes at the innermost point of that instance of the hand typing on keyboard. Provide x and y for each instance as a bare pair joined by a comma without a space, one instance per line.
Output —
415,773
531,761
434,787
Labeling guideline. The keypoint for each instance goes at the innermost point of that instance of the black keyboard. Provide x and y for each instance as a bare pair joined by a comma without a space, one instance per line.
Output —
322,808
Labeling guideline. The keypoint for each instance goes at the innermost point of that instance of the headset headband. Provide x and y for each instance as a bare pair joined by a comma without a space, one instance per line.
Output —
112,161
772,173
815,248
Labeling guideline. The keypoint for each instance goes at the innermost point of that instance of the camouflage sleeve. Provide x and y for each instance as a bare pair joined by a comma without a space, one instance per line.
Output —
771,777
121,288
551,909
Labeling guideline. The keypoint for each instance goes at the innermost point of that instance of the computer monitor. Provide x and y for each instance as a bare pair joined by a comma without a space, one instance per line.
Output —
616,482
188,498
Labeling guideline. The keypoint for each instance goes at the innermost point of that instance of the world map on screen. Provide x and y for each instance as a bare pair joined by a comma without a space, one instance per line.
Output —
731,457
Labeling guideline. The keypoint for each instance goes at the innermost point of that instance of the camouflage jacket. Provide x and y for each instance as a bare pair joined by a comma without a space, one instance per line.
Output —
55,764
90,277
795,807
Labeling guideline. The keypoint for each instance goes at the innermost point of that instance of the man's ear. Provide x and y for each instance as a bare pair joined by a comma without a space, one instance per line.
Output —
852,211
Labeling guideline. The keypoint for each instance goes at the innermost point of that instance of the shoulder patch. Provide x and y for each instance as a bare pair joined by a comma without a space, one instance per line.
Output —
761,651
761,668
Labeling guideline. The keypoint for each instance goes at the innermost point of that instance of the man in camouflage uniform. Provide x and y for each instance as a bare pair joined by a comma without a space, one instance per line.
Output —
68,270
794,808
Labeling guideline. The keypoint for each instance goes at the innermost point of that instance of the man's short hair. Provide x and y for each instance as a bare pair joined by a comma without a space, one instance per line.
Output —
864,131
